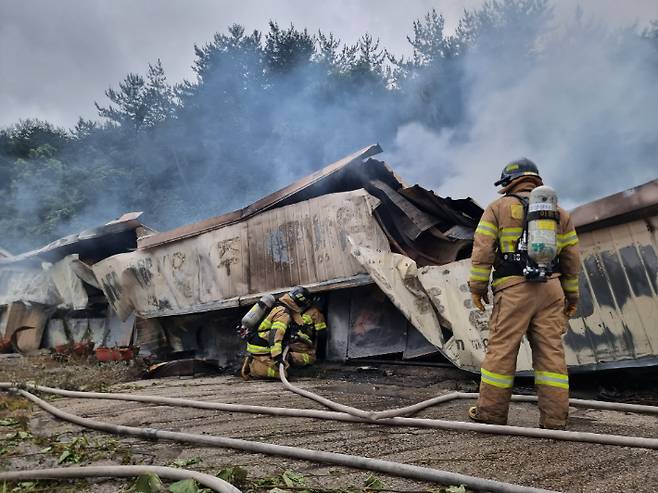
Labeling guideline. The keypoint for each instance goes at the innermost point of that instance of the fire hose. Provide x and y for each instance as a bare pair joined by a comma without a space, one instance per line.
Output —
353,461
603,439
203,479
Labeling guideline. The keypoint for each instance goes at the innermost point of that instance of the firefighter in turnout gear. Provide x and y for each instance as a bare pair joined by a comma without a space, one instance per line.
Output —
524,303
294,323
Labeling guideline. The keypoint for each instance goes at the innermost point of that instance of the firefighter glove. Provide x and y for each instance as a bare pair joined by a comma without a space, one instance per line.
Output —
479,300
570,309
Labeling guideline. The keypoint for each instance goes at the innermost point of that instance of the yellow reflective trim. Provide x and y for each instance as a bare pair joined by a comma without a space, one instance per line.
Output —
253,349
546,224
306,358
484,270
552,379
497,379
511,167
507,246
304,336
562,244
512,230
307,319
501,280
279,325
478,277
570,285
320,326
488,225
485,232
562,376
499,376
272,373
487,228
265,325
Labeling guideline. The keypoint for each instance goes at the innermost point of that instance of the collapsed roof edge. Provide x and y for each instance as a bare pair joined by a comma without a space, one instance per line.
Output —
261,205
127,222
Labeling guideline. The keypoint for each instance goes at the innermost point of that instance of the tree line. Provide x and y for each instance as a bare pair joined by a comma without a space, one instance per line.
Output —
261,109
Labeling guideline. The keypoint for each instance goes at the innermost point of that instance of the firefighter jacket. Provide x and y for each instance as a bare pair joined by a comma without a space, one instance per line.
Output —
285,321
499,230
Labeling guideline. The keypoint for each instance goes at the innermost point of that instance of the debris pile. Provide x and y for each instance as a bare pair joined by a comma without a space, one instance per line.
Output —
389,260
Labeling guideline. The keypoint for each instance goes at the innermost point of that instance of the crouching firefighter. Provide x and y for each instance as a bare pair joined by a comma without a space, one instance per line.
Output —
292,322
532,246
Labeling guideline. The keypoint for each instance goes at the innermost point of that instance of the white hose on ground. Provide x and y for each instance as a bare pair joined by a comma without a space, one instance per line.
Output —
205,480
354,461
449,397
460,426
419,406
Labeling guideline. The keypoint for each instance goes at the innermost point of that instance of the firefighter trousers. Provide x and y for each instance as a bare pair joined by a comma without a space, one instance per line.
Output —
301,354
536,310
260,366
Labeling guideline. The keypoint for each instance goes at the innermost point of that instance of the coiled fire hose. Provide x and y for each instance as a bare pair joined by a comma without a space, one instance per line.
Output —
203,479
377,465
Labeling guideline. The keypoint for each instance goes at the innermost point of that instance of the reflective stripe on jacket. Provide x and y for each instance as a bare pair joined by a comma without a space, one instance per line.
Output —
500,228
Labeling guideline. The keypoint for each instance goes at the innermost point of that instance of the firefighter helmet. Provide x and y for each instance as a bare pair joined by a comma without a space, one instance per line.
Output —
517,169
302,296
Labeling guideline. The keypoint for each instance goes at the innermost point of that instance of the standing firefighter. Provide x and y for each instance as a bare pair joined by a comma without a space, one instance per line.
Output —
533,249
294,323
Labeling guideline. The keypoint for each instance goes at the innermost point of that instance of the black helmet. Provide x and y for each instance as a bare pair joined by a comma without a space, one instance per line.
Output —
302,296
517,169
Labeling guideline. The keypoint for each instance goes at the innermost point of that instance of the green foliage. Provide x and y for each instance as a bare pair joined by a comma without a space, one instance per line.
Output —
373,482
148,483
186,486
259,109
235,475
186,462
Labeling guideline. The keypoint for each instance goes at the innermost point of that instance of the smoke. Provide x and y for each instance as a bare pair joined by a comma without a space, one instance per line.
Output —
584,108
578,99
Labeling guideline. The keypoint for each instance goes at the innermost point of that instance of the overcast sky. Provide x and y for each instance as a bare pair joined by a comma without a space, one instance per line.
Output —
58,56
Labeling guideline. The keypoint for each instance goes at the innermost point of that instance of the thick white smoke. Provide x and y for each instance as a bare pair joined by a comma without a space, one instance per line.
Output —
585,110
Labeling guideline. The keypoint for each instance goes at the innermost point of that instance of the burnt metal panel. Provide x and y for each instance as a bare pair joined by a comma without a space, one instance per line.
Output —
417,345
376,326
306,243
637,202
338,322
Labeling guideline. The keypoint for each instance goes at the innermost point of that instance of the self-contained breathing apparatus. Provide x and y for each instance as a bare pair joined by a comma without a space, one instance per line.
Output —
535,256
249,324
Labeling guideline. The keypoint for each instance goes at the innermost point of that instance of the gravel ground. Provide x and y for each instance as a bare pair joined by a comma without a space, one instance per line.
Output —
561,466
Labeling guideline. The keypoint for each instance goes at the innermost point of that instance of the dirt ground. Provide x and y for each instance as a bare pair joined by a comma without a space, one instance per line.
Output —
561,466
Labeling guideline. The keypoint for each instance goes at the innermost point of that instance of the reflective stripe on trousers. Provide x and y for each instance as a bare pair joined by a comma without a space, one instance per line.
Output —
497,379
551,379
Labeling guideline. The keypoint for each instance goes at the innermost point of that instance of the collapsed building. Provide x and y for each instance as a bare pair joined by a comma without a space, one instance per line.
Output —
389,260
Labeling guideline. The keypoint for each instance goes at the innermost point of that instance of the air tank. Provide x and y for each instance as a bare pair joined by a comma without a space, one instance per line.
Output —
257,312
543,221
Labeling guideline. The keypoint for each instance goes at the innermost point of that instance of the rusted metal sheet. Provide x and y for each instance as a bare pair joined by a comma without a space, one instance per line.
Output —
305,243
270,201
